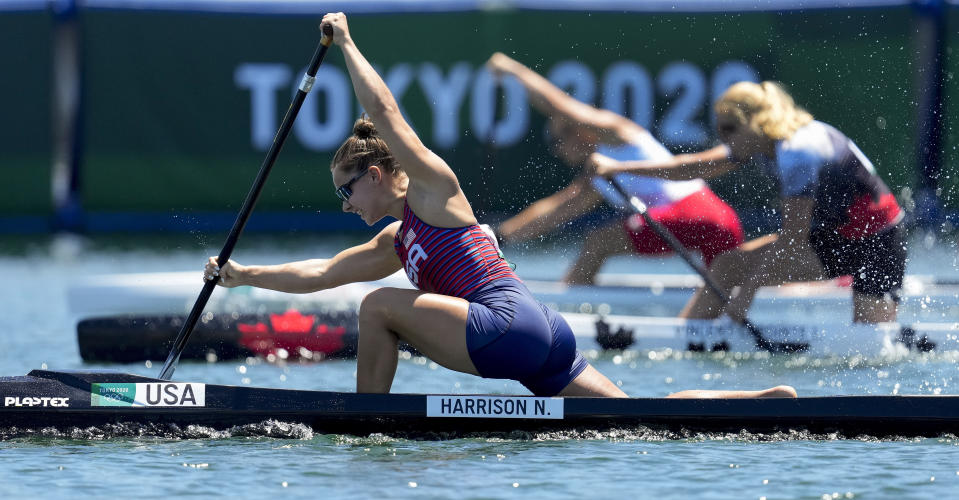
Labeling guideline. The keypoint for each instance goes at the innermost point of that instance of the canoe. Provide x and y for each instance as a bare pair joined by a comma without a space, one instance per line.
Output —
63,400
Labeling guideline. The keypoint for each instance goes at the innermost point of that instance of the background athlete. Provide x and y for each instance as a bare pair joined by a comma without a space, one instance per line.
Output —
688,208
470,312
838,217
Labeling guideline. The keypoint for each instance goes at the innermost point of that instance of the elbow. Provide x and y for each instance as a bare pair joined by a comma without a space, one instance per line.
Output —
317,280
380,108
310,280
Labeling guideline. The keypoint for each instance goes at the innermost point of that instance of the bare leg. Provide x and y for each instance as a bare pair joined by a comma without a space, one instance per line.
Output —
729,270
780,391
770,267
591,383
434,324
548,213
754,264
872,309
599,245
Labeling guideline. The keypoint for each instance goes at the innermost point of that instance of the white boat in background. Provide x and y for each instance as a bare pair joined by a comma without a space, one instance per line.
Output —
311,335
175,292
154,301
822,338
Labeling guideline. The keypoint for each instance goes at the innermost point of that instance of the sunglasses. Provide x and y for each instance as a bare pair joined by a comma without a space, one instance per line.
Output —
344,192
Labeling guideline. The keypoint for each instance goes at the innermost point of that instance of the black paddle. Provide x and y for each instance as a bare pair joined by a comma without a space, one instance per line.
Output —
761,341
305,85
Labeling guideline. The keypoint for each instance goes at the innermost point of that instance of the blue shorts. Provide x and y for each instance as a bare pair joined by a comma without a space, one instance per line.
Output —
509,334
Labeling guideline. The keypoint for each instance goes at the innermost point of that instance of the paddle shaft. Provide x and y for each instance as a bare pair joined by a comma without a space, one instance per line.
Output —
677,246
325,41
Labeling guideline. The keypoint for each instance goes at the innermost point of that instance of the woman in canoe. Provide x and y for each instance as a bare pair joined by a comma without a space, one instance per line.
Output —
469,313
688,208
838,217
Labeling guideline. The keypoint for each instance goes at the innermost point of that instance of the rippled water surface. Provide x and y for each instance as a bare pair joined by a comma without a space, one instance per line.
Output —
279,459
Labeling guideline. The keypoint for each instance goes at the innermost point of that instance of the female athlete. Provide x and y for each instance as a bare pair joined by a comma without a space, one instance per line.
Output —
469,313
688,208
838,217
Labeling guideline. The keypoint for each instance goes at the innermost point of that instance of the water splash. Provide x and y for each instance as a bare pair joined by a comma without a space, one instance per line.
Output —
270,429
281,430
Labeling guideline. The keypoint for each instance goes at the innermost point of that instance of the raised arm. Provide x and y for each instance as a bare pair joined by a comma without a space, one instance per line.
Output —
373,260
555,103
416,159
703,165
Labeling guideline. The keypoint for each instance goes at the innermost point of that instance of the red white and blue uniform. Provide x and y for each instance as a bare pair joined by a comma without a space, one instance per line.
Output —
688,209
448,261
855,222
509,334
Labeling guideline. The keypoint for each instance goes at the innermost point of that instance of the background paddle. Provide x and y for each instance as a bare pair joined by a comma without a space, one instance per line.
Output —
305,85
671,240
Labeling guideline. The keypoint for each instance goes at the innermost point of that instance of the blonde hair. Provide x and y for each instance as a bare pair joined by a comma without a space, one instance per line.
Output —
764,107
364,148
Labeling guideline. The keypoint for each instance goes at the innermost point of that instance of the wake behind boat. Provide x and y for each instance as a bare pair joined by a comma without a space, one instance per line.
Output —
60,400
316,335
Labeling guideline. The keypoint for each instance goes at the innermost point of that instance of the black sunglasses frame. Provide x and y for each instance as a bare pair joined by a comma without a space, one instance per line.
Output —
344,192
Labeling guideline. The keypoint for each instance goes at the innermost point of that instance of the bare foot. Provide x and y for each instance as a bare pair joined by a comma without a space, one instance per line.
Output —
780,391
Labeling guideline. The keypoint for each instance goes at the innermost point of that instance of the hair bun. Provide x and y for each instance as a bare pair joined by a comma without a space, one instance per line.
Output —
363,128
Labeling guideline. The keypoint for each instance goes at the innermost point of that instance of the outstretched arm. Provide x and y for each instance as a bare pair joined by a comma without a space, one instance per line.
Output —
703,165
553,102
373,260
550,212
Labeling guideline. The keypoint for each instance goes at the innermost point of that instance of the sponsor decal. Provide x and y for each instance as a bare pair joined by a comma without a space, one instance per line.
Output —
32,401
156,394
494,407
709,330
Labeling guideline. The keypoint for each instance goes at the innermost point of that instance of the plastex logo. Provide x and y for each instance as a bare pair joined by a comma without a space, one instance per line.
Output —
44,401
157,394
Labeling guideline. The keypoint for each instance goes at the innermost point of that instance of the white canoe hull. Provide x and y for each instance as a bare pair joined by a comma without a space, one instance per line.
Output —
175,292
826,338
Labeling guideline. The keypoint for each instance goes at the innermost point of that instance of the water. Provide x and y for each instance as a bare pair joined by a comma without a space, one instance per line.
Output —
275,459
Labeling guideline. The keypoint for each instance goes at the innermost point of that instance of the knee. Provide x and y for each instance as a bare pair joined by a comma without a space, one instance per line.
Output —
374,305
